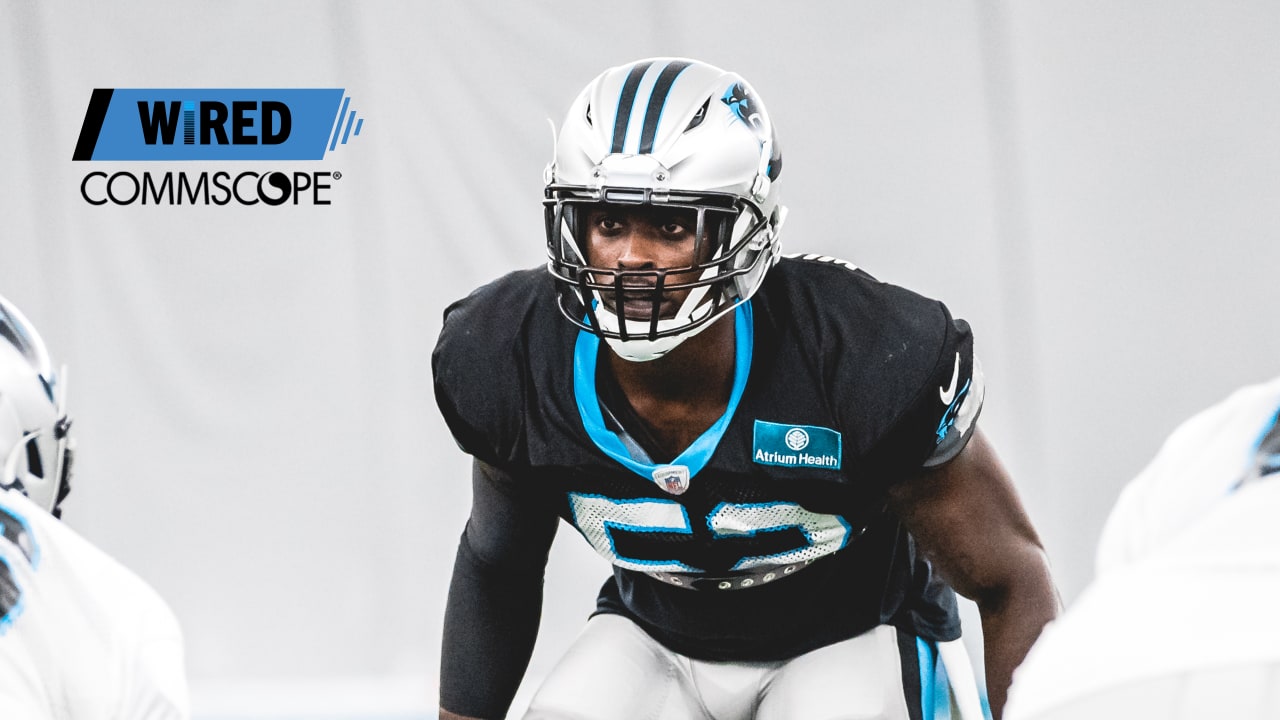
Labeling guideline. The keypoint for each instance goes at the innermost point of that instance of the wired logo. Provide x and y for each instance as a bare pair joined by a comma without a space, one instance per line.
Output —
159,122
213,125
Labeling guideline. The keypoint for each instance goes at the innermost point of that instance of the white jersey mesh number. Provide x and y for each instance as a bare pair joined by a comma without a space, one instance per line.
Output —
825,533
597,517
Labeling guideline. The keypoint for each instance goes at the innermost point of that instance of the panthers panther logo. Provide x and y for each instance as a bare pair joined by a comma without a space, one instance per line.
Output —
742,102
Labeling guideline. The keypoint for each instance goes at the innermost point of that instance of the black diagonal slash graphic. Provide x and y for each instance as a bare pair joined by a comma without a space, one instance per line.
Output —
92,126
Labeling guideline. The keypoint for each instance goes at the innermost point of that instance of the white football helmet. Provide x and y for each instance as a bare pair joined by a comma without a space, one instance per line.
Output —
666,132
35,441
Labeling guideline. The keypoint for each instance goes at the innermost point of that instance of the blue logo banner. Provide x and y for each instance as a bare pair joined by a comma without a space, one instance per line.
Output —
259,124
796,445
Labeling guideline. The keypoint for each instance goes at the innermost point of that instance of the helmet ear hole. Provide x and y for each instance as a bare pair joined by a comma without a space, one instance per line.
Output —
699,116
34,465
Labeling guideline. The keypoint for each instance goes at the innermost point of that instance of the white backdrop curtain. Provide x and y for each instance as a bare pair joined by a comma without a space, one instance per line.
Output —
1091,184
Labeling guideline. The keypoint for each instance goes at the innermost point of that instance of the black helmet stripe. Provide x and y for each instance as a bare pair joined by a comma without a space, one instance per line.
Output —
656,102
625,101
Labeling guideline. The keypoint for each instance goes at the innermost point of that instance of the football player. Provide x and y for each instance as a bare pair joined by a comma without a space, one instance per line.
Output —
778,455
1188,562
81,637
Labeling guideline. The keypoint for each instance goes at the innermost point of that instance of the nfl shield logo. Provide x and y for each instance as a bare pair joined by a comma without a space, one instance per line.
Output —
672,478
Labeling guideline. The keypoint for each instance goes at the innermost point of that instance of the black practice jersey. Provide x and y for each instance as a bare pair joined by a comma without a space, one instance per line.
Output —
768,536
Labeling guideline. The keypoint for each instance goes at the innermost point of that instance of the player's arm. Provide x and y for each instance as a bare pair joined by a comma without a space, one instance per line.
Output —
495,596
967,517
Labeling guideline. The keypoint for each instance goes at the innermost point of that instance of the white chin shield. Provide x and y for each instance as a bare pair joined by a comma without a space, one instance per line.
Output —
644,350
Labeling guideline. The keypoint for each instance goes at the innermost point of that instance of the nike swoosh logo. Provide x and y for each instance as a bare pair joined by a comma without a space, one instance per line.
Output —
949,393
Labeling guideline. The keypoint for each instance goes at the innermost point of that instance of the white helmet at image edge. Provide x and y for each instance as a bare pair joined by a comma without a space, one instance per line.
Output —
36,448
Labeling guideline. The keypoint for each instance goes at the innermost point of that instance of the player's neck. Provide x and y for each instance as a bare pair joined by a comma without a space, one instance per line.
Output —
681,394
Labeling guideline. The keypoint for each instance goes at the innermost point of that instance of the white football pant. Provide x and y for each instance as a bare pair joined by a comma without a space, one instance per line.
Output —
616,671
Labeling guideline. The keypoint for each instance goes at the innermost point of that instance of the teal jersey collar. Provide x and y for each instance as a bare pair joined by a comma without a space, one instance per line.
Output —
696,456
